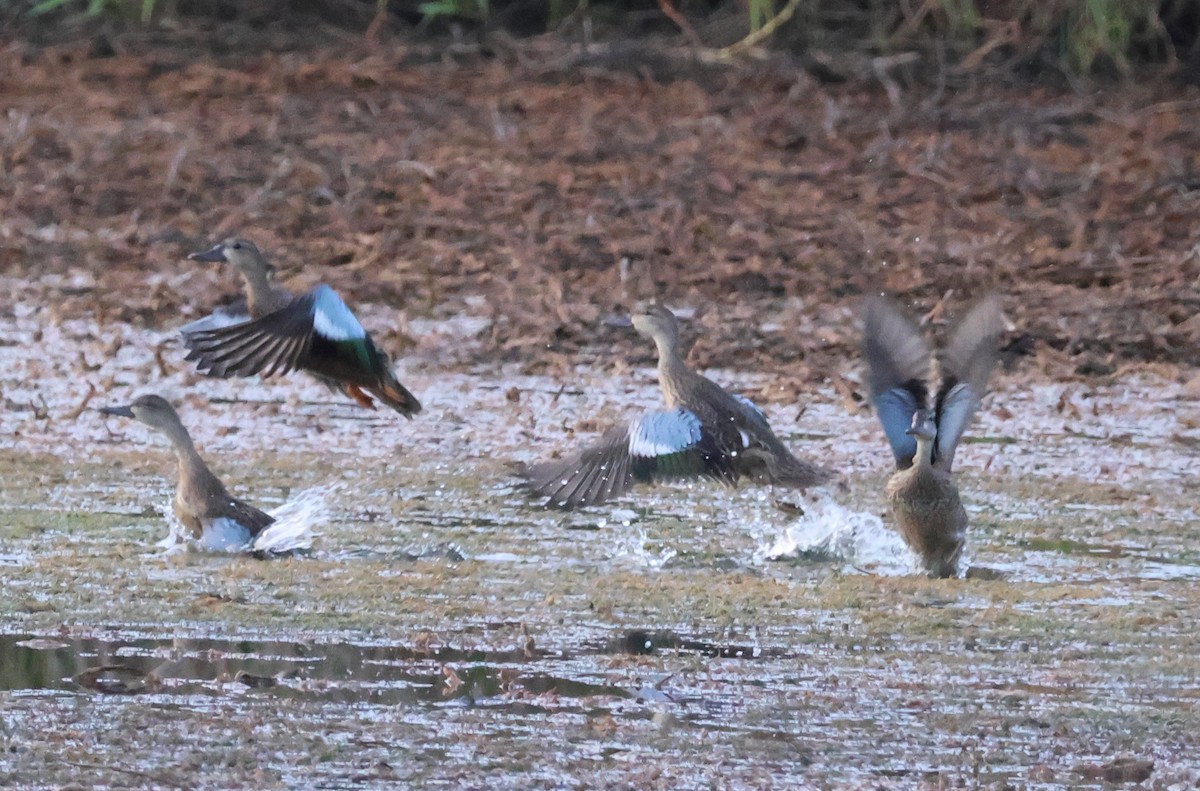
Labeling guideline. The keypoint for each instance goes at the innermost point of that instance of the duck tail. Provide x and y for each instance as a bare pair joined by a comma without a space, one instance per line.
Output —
395,395
799,474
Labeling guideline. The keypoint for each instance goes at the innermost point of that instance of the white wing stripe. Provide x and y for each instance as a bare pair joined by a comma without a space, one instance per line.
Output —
332,319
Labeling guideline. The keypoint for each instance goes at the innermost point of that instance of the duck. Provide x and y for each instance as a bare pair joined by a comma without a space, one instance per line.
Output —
277,332
705,431
924,407
213,517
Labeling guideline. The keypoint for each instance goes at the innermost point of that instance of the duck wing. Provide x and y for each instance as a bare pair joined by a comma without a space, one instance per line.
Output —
657,445
316,332
224,316
741,430
248,516
966,365
898,359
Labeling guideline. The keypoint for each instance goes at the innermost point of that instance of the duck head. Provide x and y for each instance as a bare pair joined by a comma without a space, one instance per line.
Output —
923,426
242,253
656,322
152,410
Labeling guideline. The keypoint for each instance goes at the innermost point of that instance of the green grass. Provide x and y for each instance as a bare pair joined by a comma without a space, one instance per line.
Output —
1081,35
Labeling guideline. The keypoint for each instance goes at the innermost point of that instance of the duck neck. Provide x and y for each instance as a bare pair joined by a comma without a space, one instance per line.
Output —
260,292
672,370
923,460
191,466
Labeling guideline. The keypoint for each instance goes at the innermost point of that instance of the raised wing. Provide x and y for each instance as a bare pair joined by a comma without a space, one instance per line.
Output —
316,331
656,445
898,358
966,365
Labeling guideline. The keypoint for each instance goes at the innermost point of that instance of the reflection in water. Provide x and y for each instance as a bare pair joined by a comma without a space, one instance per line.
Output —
338,671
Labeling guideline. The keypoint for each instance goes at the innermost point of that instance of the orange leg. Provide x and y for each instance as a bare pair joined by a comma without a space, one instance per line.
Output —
356,392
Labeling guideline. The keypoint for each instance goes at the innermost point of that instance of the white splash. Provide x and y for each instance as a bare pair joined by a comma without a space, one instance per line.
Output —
292,531
294,523
828,530
636,546
177,539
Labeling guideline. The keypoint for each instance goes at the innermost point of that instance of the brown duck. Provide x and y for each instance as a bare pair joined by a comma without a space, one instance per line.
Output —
212,516
705,431
281,332
924,433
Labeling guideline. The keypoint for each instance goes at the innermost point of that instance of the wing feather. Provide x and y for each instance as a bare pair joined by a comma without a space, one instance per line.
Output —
275,343
898,361
966,365
655,446
602,468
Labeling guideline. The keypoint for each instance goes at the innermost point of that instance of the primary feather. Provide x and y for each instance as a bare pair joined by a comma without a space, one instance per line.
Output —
898,363
966,366
704,432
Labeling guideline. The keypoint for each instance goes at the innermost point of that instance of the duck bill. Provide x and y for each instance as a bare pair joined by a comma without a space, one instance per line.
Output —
212,256
120,411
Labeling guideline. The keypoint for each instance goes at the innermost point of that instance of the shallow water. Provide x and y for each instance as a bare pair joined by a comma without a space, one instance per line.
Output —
447,630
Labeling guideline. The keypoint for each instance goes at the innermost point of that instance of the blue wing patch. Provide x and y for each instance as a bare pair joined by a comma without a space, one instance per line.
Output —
895,408
663,434
332,319
954,412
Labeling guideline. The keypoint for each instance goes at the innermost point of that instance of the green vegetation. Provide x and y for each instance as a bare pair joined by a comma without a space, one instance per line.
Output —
136,9
1079,35
462,9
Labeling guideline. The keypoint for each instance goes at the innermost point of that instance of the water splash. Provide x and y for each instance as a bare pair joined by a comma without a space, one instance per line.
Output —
177,539
830,531
641,550
295,520
292,531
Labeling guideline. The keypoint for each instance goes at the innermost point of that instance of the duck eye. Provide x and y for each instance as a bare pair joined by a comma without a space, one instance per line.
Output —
237,245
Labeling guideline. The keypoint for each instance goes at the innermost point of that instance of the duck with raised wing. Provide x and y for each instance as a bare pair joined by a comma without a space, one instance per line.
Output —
212,516
281,332
705,431
923,434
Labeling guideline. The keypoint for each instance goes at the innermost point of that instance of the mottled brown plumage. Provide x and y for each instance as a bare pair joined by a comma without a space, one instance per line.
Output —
924,499
705,432
927,509
314,332
202,503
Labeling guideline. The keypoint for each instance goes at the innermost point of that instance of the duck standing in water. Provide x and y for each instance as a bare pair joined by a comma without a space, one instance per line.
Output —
215,518
924,435
315,332
704,432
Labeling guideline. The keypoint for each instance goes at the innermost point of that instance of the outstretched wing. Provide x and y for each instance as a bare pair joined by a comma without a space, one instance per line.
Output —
966,365
897,356
224,316
316,331
656,445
